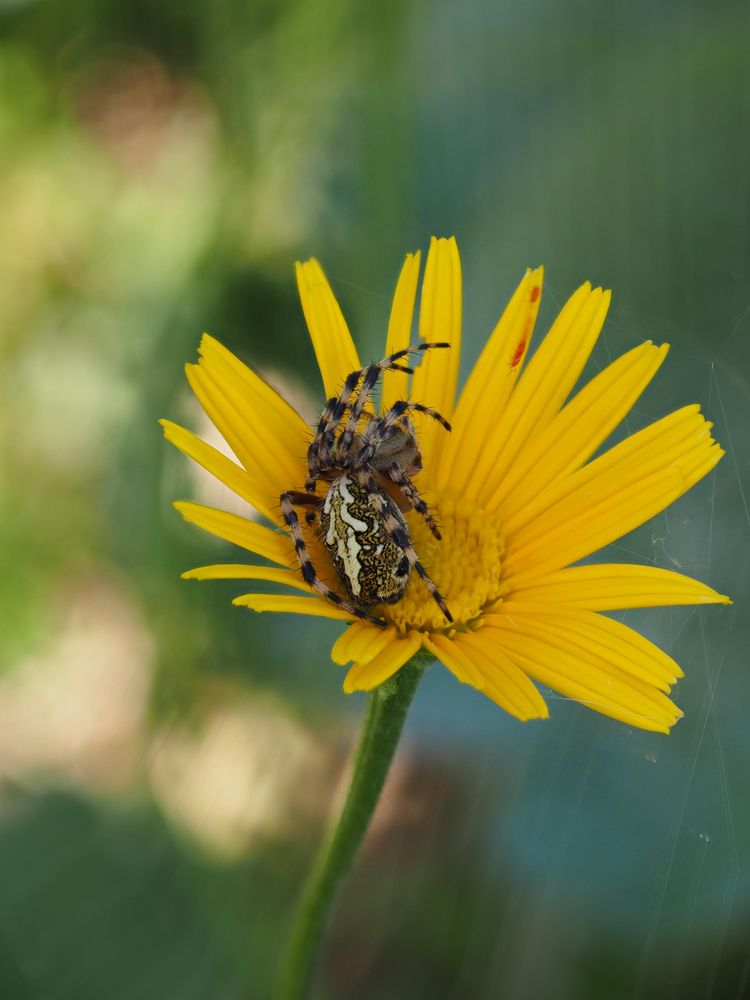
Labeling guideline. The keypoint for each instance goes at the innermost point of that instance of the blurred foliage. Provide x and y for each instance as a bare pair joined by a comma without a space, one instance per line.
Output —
161,166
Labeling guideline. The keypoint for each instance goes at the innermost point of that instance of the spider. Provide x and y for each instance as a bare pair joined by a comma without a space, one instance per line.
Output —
359,522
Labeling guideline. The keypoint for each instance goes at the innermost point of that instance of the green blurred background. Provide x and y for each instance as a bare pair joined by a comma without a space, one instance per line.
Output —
167,762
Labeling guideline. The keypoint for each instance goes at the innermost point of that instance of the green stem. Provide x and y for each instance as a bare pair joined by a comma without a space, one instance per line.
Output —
383,724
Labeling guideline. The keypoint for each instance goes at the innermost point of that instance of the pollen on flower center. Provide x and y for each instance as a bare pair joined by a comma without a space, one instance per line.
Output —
466,566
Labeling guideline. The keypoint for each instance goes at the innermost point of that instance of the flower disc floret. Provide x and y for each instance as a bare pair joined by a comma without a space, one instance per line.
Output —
466,566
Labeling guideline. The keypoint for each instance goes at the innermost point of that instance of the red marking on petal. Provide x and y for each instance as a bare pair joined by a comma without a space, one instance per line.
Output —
517,354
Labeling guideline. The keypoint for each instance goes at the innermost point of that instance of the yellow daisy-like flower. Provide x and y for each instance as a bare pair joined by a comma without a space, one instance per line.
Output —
512,487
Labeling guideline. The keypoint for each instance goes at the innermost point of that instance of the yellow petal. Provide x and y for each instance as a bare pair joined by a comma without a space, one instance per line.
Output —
396,384
317,607
610,640
577,431
224,469
542,389
334,348
582,676
498,679
223,416
504,683
361,642
610,496
255,537
251,437
290,430
615,586
366,676
459,664
610,519
434,382
233,571
263,430
648,451
257,457
489,386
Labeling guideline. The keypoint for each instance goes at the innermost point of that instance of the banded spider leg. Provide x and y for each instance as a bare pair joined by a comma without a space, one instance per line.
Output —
319,452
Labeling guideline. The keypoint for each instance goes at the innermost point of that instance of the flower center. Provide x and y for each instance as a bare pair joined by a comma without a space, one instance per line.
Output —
466,566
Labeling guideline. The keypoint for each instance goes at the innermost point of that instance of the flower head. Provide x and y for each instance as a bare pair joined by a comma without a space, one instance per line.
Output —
513,487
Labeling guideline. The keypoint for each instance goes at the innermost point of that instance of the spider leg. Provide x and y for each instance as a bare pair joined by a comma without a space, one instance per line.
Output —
409,490
400,537
288,501
311,500
370,376
318,454
376,433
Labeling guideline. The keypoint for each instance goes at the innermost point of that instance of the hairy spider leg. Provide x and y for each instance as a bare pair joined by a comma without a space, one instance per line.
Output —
398,535
330,418
370,376
377,431
409,490
321,459
311,500
288,501
318,454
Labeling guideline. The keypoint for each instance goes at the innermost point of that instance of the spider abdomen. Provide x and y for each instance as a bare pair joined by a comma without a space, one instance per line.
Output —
370,564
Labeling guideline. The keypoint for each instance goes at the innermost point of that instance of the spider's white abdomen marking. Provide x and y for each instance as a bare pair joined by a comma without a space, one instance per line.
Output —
370,563
344,530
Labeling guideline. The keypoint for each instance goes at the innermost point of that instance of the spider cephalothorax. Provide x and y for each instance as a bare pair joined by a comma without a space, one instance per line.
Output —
369,469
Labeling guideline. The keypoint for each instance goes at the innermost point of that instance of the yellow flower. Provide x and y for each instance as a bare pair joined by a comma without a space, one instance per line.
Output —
512,487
